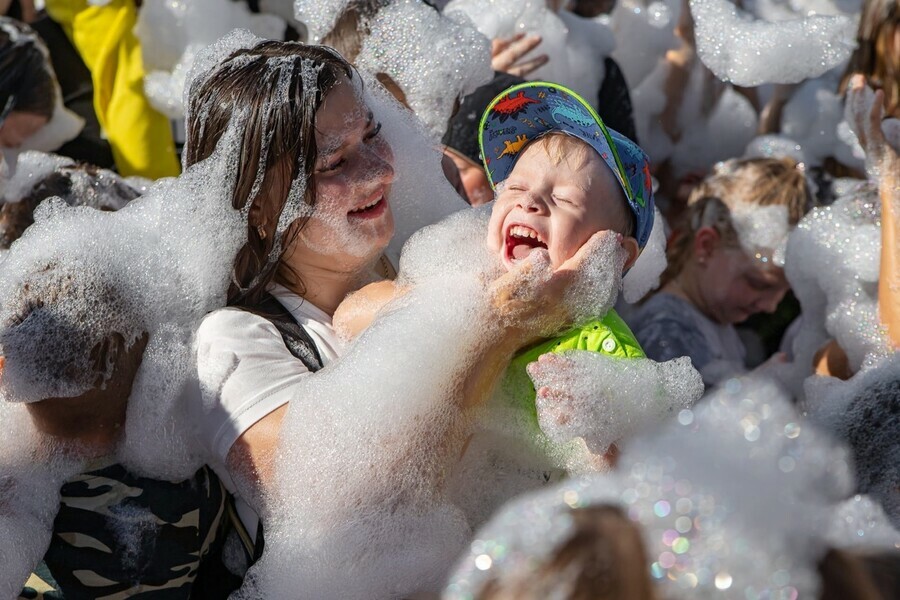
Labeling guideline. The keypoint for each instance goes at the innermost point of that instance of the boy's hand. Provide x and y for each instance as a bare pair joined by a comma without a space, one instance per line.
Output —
603,399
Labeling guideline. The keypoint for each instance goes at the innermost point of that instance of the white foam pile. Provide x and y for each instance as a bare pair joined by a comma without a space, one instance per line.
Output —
643,33
374,435
32,472
762,230
103,190
644,275
420,195
319,16
732,122
734,501
575,46
832,263
173,32
380,438
435,59
750,52
80,275
605,400
126,272
35,167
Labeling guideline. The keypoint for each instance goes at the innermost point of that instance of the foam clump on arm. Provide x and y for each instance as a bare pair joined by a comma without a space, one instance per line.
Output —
605,399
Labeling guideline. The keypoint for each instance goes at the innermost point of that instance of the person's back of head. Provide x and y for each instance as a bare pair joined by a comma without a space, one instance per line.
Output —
602,558
26,85
845,577
76,185
64,325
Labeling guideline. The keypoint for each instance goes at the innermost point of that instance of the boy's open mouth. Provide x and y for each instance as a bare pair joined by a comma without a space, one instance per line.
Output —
521,240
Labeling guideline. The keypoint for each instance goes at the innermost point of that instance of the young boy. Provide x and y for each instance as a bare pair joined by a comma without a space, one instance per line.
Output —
562,176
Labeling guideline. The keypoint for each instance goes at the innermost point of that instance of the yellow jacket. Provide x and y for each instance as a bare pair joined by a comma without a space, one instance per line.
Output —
140,137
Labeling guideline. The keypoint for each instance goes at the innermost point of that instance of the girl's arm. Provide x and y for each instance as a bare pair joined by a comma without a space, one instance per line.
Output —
886,162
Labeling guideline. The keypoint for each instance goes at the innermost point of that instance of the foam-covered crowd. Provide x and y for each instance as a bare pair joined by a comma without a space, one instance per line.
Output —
463,300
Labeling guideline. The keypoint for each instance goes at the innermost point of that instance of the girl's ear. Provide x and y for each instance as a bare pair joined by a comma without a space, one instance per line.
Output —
634,250
706,241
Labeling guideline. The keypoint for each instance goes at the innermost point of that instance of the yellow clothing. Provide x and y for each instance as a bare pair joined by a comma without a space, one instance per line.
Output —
140,137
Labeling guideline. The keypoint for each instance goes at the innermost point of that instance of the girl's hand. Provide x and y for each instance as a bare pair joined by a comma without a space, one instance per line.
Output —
865,111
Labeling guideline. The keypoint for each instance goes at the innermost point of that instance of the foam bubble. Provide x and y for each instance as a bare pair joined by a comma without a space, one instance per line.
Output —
732,496
575,47
750,52
762,230
644,274
832,262
864,411
434,58
33,470
319,16
172,34
605,399
32,167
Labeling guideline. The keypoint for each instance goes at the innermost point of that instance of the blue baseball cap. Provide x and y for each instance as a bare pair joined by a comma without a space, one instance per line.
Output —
525,112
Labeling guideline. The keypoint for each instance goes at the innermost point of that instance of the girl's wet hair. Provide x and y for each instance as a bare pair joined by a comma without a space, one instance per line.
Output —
876,55
277,140
26,81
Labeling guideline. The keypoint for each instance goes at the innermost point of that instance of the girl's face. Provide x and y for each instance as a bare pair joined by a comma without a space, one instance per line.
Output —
352,219
18,127
738,286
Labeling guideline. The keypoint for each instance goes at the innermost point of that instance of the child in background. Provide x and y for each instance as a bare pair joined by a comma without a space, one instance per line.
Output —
725,264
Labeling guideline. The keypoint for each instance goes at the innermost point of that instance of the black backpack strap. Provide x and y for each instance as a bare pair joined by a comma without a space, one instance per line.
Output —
295,337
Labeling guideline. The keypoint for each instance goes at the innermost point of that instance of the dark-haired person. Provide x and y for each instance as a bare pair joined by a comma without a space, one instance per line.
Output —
31,112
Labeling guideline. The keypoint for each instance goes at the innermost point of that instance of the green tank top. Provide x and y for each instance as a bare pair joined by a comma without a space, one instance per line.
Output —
608,335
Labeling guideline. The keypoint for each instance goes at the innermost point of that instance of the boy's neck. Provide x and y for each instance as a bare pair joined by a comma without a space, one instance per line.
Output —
93,420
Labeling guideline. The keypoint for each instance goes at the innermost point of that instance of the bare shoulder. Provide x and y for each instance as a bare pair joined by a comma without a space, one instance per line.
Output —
358,310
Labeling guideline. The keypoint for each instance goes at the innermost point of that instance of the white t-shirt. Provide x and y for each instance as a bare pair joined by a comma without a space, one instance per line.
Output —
246,372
